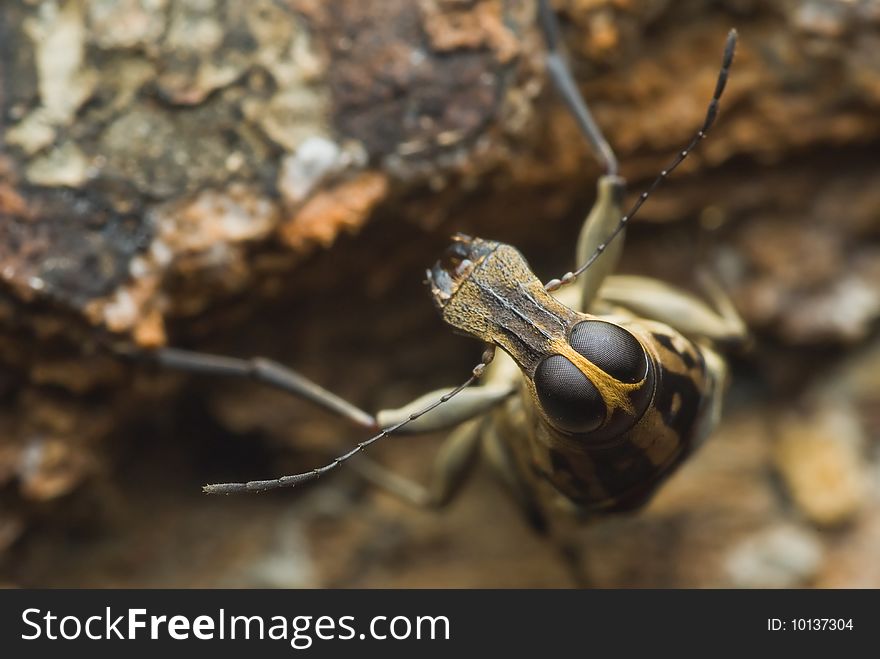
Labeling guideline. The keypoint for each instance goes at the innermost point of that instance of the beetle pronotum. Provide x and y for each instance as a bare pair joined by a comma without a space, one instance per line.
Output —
598,393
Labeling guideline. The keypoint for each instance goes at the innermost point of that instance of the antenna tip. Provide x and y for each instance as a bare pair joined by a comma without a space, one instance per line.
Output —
216,488
729,48
732,37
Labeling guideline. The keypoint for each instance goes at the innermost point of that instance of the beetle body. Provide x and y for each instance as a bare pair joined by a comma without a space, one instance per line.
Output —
609,405
600,390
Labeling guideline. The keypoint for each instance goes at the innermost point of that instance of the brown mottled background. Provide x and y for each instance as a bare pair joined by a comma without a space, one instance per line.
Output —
272,177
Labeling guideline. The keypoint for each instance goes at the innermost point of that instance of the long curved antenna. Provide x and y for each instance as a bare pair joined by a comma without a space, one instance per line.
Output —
305,477
711,113
565,84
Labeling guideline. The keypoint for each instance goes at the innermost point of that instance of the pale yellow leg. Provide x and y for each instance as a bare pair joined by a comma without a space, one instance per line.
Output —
656,300
451,468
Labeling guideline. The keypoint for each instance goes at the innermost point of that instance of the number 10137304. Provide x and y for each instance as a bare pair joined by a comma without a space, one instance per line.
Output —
809,624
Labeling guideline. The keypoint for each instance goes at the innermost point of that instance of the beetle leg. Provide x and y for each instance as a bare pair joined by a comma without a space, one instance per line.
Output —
466,405
599,225
655,300
607,211
499,381
724,305
560,73
501,459
451,468
266,372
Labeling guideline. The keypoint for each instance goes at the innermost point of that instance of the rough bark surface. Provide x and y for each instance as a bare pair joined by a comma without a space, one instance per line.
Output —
272,177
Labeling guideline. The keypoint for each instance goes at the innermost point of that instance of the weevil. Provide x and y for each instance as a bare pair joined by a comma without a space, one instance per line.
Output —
599,391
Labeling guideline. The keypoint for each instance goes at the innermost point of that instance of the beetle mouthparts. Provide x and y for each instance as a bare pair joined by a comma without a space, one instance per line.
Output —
456,265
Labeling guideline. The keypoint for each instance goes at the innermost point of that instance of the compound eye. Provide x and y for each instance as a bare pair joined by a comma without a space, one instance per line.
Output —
570,400
611,348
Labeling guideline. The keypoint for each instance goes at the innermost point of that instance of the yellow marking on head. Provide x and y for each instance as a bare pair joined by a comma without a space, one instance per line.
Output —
615,394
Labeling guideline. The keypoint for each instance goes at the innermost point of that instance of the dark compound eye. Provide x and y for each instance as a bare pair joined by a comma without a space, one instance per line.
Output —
611,348
570,400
